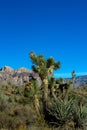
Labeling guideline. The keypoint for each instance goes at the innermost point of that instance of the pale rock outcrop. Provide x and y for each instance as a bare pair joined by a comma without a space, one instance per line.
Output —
17,77
22,69
7,69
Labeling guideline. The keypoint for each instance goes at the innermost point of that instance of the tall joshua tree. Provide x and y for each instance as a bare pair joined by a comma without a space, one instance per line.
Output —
44,67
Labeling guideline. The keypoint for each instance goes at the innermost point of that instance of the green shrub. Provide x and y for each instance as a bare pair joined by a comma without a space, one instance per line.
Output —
3,101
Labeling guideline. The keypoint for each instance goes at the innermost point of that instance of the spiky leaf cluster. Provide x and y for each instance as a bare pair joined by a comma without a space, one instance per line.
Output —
73,74
61,111
80,116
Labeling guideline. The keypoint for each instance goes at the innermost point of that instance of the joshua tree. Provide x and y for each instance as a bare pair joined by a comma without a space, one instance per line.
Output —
44,67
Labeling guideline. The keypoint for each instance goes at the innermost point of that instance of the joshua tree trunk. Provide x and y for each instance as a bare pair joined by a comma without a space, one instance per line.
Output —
37,105
45,89
52,92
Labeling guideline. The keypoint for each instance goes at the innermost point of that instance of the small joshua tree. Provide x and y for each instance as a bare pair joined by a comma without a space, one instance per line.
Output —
73,78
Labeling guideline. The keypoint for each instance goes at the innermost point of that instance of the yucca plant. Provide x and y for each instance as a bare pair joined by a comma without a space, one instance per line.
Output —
61,112
80,116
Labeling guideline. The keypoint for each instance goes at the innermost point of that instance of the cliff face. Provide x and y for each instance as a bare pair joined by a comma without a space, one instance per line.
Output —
16,77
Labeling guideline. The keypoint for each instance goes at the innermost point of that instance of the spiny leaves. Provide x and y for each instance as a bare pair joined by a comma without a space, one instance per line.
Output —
50,62
80,115
73,74
33,57
61,112
56,65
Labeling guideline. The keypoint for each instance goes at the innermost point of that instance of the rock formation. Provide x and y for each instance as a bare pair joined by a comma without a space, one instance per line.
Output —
17,77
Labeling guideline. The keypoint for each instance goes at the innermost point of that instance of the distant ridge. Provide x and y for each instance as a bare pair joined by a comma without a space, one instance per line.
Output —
79,80
18,76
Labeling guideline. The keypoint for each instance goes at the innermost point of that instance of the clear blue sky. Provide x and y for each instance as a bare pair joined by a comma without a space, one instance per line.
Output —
55,28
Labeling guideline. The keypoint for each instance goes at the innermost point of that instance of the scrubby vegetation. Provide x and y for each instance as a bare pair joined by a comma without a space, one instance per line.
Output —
54,105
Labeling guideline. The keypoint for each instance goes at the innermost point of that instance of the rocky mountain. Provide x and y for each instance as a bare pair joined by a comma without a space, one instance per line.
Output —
17,77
